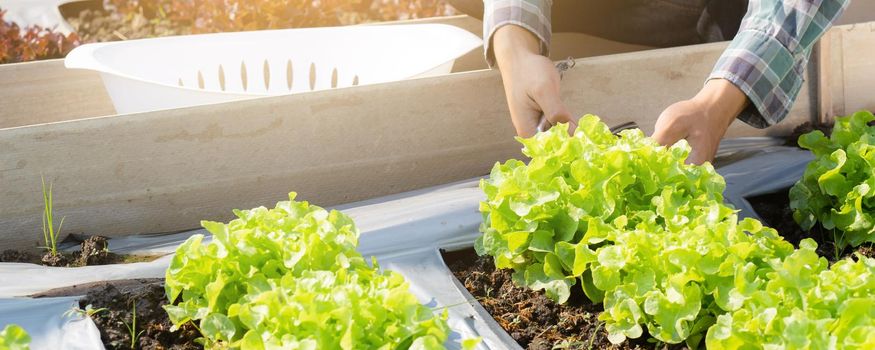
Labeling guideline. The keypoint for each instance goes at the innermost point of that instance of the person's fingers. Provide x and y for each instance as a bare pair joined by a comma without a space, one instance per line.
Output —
524,127
697,157
522,115
667,131
551,105
685,120
704,148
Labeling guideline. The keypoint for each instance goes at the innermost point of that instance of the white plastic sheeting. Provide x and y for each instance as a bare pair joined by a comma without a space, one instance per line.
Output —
18,280
766,172
49,323
405,233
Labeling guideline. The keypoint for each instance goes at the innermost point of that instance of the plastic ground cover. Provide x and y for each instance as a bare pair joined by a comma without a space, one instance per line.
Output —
404,232
48,323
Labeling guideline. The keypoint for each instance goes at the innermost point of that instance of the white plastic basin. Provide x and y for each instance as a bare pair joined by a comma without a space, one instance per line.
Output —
180,71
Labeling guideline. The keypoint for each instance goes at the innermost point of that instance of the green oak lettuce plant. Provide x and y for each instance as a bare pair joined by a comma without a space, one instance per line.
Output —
290,277
630,223
13,337
804,304
837,189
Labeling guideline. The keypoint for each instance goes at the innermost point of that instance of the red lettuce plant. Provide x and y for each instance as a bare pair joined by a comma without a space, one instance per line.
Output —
210,16
32,43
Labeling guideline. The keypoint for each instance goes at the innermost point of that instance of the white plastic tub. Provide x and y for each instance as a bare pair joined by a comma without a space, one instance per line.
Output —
173,72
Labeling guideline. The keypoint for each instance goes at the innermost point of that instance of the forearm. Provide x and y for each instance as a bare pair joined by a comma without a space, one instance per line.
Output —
511,43
766,60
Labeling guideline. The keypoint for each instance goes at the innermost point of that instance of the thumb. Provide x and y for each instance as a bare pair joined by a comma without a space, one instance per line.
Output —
554,110
666,131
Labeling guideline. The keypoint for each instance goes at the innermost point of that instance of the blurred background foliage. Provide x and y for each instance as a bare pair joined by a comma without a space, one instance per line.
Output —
109,20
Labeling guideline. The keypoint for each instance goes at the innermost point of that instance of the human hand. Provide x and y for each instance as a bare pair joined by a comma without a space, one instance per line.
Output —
531,82
701,120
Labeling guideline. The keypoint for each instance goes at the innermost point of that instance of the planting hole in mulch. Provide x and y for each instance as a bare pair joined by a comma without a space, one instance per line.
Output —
529,317
115,301
92,251
774,209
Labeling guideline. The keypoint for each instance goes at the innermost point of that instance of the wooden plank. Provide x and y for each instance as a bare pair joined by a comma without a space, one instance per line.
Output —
831,86
167,170
45,92
847,71
638,86
825,72
857,49
858,12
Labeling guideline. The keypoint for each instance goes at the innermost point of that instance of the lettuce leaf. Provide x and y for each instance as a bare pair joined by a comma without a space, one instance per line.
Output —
837,189
13,337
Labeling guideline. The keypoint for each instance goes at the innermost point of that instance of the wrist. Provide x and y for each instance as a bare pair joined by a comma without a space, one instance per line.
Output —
721,100
511,43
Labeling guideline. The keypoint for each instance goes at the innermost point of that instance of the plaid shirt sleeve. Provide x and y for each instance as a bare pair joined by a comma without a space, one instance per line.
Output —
767,57
533,15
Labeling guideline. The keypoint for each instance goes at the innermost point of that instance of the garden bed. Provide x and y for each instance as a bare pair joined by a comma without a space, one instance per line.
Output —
536,322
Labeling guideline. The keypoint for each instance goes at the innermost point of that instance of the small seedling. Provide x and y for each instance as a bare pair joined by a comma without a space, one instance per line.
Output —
132,327
50,235
595,333
566,344
838,242
88,312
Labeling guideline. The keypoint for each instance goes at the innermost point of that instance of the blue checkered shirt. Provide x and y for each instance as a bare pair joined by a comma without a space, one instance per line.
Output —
765,60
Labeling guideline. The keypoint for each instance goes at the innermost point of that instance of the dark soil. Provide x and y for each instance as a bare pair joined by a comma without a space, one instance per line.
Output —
12,255
774,209
804,128
118,298
533,320
93,251
49,259
57,259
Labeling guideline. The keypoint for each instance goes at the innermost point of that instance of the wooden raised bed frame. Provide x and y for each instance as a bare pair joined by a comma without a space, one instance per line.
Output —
167,170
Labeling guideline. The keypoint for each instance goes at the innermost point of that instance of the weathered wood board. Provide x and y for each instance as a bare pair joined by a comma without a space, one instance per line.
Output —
45,92
847,70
